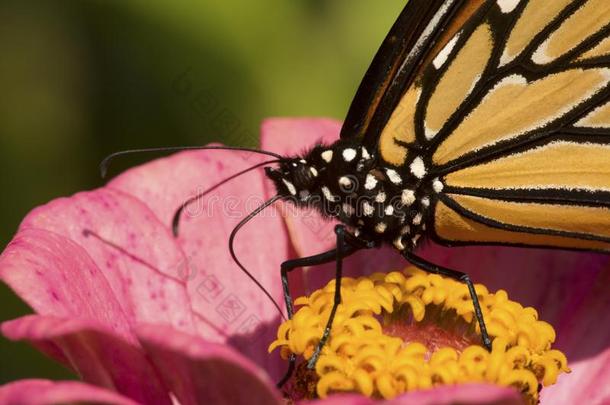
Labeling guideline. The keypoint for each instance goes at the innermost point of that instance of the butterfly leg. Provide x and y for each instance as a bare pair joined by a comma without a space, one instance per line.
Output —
459,276
344,240
345,247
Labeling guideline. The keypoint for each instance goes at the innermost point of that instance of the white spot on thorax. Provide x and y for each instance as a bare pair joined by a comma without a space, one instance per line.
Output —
506,6
303,161
348,209
380,227
398,243
345,181
370,182
365,153
329,196
417,219
290,187
389,210
367,209
418,168
393,176
437,185
415,238
380,197
425,202
442,56
349,154
304,195
407,197
313,171
327,155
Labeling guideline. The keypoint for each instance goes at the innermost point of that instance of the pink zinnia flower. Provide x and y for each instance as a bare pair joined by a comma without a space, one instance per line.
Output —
143,317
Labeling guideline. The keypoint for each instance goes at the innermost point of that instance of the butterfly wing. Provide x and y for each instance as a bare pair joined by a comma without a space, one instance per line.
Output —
512,115
414,34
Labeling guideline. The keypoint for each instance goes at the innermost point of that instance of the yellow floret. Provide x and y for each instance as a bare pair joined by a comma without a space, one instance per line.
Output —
360,357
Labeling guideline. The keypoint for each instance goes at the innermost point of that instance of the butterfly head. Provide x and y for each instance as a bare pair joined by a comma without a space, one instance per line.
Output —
295,178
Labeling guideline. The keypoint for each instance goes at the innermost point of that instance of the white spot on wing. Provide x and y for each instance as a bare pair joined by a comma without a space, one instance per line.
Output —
437,185
327,155
370,182
505,58
349,154
418,168
508,5
389,210
512,79
290,187
442,56
540,56
429,133
588,122
398,243
425,202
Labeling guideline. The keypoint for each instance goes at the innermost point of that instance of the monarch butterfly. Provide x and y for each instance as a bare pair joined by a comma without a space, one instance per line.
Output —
478,122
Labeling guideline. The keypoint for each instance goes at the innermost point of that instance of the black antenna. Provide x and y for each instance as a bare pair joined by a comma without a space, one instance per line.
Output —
106,162
232,250
178,213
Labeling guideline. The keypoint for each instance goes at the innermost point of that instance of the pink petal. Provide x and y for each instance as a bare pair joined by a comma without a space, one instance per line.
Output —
471,394
45,392
341,399
137,254
227,304
584,334
55,276
97,354
199,372
292,136
587,384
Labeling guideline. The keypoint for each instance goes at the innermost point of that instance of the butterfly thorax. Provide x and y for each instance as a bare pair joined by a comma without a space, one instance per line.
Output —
348,182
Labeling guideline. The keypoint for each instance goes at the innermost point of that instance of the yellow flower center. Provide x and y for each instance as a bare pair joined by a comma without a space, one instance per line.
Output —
409,330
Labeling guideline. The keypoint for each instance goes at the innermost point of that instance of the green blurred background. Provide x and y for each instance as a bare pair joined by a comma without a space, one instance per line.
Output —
81,79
